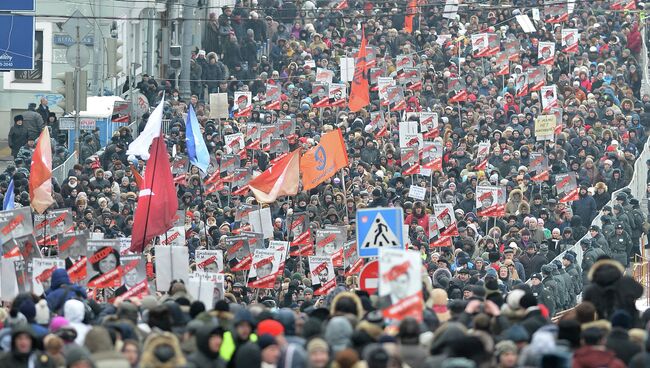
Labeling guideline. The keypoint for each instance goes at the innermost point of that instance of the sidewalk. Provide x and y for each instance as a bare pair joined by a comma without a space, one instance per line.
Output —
5,155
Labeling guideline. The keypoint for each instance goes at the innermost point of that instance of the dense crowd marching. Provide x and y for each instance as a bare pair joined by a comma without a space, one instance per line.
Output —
489,289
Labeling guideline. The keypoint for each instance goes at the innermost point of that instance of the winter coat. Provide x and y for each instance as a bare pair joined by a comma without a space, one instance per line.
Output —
75,312
34,123
62,290
13,359
203,357
592,357
619,342
586,208
18,136
611,290
149,357
99,344
533,320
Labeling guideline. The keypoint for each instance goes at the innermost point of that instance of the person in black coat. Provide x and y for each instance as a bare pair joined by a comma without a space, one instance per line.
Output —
618,339
17,135
611,290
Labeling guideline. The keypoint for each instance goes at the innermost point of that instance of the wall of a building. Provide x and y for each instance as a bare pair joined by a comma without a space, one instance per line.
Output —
138,47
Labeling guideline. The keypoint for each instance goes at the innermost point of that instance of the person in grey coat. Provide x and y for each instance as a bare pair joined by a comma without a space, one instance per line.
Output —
33,121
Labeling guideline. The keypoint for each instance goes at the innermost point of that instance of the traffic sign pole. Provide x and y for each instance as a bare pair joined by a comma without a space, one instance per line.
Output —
77,86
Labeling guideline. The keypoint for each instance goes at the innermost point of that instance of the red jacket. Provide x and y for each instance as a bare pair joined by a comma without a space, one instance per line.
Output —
592,357
422,221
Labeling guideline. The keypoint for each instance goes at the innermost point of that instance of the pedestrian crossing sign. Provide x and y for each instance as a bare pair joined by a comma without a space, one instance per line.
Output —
379,228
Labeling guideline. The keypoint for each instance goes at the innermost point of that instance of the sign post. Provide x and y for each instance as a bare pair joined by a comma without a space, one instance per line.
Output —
78,27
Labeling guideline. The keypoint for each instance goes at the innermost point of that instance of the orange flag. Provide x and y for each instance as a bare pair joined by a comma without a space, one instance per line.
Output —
40,177
410,14
321,162
359,94
283,178
138,178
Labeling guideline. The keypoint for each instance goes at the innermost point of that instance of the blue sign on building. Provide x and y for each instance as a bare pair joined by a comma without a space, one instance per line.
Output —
17,35
17,5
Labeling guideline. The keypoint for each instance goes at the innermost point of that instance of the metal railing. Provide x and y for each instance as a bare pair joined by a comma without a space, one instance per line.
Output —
60,173
643,56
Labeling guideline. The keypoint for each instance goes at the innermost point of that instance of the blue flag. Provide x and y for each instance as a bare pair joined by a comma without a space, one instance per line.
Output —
9,202
196,148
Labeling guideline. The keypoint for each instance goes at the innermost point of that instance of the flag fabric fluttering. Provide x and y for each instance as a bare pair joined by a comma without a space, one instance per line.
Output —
321,162
157,202
140,145
10,197
411,9
281,179
359,93
40,174
197,151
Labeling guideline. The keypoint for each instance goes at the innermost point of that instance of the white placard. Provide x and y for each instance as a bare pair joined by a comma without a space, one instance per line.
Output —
261,222
172,263
417,192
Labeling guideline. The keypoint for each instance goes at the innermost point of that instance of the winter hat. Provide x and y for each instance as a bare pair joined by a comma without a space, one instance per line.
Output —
28,309
317,344
270,327
42,313
76,354
528,300
265,341
57,323
513,299
517,333
338,333
505,346
621,318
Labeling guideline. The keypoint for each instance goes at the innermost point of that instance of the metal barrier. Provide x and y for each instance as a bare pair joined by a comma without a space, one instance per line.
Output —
166,126
641,273
643,56
60,173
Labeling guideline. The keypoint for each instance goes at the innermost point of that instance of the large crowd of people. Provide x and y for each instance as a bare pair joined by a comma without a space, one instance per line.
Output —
490,294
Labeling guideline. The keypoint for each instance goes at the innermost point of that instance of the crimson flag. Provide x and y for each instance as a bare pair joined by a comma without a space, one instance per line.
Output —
157,202
359,94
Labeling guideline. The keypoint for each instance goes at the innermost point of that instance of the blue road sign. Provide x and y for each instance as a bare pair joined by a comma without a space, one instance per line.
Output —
379,228
17,35
18,5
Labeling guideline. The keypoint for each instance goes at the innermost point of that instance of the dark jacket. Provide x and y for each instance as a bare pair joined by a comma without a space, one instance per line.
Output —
62,290
533,321
203,357
18,136
619,342
14,359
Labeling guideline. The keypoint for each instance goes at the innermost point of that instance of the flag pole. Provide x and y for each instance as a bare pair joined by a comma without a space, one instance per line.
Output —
345,195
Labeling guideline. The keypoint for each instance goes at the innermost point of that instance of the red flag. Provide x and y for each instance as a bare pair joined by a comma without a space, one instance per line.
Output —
410,14
359,95
137,177
157,202
40,177
279,180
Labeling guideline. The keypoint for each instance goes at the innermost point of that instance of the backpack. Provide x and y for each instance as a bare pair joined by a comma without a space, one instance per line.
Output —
88,312
638,219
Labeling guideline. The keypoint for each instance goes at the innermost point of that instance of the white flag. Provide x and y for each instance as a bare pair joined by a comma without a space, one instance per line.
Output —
140,145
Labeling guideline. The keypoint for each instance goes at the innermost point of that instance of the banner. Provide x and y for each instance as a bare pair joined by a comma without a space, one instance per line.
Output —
566,187
445,219
264,269
549,97
320,94
482,155
570,38
383,83
490,201
352,263
172,263
273,97
457,89
243,104
545,127
511,49
429,125
42,269
400,286
104,266
431,157
546,53
555,11
72,250
502,64
323,277
337,95
330,242
209,260
238,252
396,101
134,277
539,165
521,84
410,159
536,78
